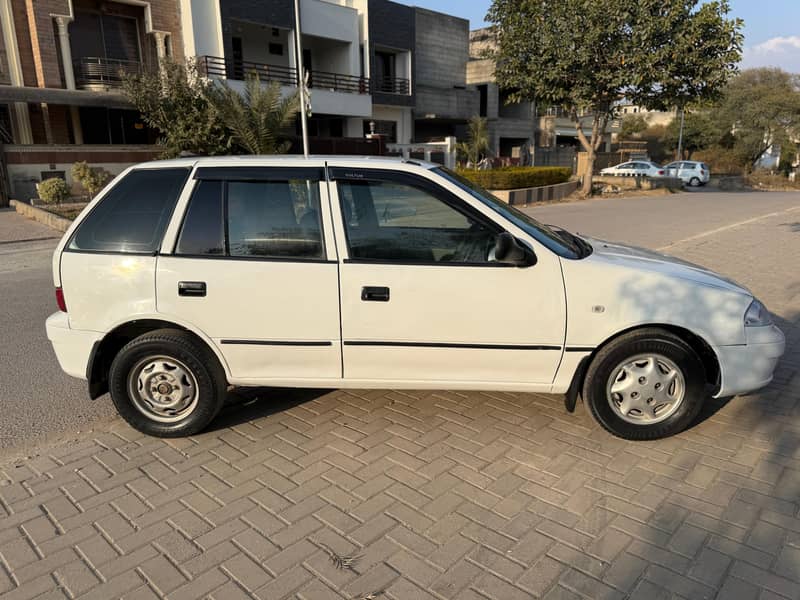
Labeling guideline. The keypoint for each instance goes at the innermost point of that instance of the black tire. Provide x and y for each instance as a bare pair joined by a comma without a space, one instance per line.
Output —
694,182
186,350
638,342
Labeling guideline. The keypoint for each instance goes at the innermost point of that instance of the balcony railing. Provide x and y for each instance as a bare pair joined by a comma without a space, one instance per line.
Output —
215,66
391,85
95,72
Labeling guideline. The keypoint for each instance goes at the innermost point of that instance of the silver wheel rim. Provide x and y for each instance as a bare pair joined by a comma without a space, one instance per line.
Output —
646,389
163,389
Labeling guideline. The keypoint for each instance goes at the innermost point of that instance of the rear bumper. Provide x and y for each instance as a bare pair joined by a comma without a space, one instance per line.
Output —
72,346
750,366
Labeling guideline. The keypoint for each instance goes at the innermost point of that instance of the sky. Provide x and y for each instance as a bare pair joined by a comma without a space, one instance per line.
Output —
772,27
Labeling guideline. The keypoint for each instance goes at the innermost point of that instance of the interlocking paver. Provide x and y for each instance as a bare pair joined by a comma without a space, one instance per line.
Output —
456,495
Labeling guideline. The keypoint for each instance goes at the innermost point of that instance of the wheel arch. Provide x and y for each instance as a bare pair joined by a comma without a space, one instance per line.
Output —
696,342
105,349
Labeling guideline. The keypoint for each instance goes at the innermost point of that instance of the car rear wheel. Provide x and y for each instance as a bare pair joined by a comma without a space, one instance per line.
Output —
167,384
645,385
694,182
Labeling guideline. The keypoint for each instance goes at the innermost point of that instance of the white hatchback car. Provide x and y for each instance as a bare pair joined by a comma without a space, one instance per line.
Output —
186,276
690,172
635,168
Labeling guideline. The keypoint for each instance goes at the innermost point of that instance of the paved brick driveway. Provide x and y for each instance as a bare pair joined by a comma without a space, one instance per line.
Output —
386,494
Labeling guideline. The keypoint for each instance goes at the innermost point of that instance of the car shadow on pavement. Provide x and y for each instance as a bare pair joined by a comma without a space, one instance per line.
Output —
244,405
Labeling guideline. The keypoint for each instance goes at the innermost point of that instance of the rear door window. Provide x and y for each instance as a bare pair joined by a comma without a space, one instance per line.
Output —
253,218
132,216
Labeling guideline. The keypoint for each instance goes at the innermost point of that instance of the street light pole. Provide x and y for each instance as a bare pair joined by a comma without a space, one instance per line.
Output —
680,136
301,80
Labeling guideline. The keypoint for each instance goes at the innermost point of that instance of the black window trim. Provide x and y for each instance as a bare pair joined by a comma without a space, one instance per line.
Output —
296,172
336,174
108,191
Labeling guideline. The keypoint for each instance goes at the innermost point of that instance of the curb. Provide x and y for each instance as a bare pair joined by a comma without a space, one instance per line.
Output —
42,216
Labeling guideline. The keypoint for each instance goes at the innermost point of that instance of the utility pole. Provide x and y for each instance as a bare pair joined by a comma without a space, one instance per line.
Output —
680,136
301,79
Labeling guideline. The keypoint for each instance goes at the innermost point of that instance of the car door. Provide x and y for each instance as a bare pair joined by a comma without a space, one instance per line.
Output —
254,268
625,169
423,304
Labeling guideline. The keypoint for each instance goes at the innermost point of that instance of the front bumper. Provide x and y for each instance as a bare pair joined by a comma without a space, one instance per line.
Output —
750,366
72,346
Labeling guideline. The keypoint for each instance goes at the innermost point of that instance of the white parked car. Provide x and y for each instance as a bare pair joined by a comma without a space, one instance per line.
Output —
690,172
635,168
186,276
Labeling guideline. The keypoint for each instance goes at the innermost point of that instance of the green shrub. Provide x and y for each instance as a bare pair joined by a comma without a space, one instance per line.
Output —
510,178
90,178
53,191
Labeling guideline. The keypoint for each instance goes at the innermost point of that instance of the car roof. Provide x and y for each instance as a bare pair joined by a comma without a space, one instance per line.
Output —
287,160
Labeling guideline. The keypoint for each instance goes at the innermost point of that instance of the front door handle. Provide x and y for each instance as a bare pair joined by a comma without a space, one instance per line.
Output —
192,288
374,294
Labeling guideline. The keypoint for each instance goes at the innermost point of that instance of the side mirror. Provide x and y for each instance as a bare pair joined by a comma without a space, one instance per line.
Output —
508,249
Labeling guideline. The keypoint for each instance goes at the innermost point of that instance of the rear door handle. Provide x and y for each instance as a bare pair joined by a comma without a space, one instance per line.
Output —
374,294
192,288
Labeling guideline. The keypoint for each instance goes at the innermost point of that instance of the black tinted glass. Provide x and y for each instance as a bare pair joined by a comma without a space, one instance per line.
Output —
203,231
274,219
133,215
394,221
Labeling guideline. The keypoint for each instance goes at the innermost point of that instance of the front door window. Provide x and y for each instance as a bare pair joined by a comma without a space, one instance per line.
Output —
400,221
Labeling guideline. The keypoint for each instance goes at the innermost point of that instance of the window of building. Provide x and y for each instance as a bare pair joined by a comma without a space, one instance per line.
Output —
276,48
483,92
114,126
6,136
133,215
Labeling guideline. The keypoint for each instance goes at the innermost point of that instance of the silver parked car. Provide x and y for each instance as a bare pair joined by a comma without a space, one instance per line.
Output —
691,172
635,168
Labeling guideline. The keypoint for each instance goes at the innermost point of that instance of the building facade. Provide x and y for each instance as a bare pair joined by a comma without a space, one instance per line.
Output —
373,67
511,125
60,78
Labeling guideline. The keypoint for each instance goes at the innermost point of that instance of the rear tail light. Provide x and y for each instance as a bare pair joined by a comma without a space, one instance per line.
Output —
62,305
661,172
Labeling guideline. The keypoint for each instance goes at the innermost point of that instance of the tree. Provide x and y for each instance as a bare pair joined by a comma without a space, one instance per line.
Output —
477,145
700,131
92,179
175,102
633,126
254,120
760,109
53,190
585,55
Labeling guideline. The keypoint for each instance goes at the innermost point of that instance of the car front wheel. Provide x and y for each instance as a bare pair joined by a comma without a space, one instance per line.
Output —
645,385
167,384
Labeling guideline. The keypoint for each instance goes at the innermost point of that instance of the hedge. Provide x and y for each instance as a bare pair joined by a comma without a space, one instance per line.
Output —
510,178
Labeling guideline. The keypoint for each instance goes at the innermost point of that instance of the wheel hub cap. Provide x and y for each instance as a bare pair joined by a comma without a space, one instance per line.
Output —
646,389
163,388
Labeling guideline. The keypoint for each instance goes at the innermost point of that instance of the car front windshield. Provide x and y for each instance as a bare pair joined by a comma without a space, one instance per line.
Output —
563,244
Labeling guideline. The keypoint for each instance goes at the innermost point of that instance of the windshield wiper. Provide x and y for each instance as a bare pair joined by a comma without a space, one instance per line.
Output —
580,246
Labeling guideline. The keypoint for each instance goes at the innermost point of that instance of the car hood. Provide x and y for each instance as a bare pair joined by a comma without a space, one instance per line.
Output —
649,260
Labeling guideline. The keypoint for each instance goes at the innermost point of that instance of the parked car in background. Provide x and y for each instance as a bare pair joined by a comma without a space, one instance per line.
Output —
635,168
691,172
185,276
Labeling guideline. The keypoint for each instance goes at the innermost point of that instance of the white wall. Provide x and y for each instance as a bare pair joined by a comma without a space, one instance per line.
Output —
334,22
398,114
202,28
256,40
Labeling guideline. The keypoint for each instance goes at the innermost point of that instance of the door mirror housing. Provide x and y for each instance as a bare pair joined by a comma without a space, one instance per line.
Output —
508,249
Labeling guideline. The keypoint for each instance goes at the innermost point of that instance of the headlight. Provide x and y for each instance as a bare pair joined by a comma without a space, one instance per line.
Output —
757,315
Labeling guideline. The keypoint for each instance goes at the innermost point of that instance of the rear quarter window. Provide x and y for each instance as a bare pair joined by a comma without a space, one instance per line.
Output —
132,216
